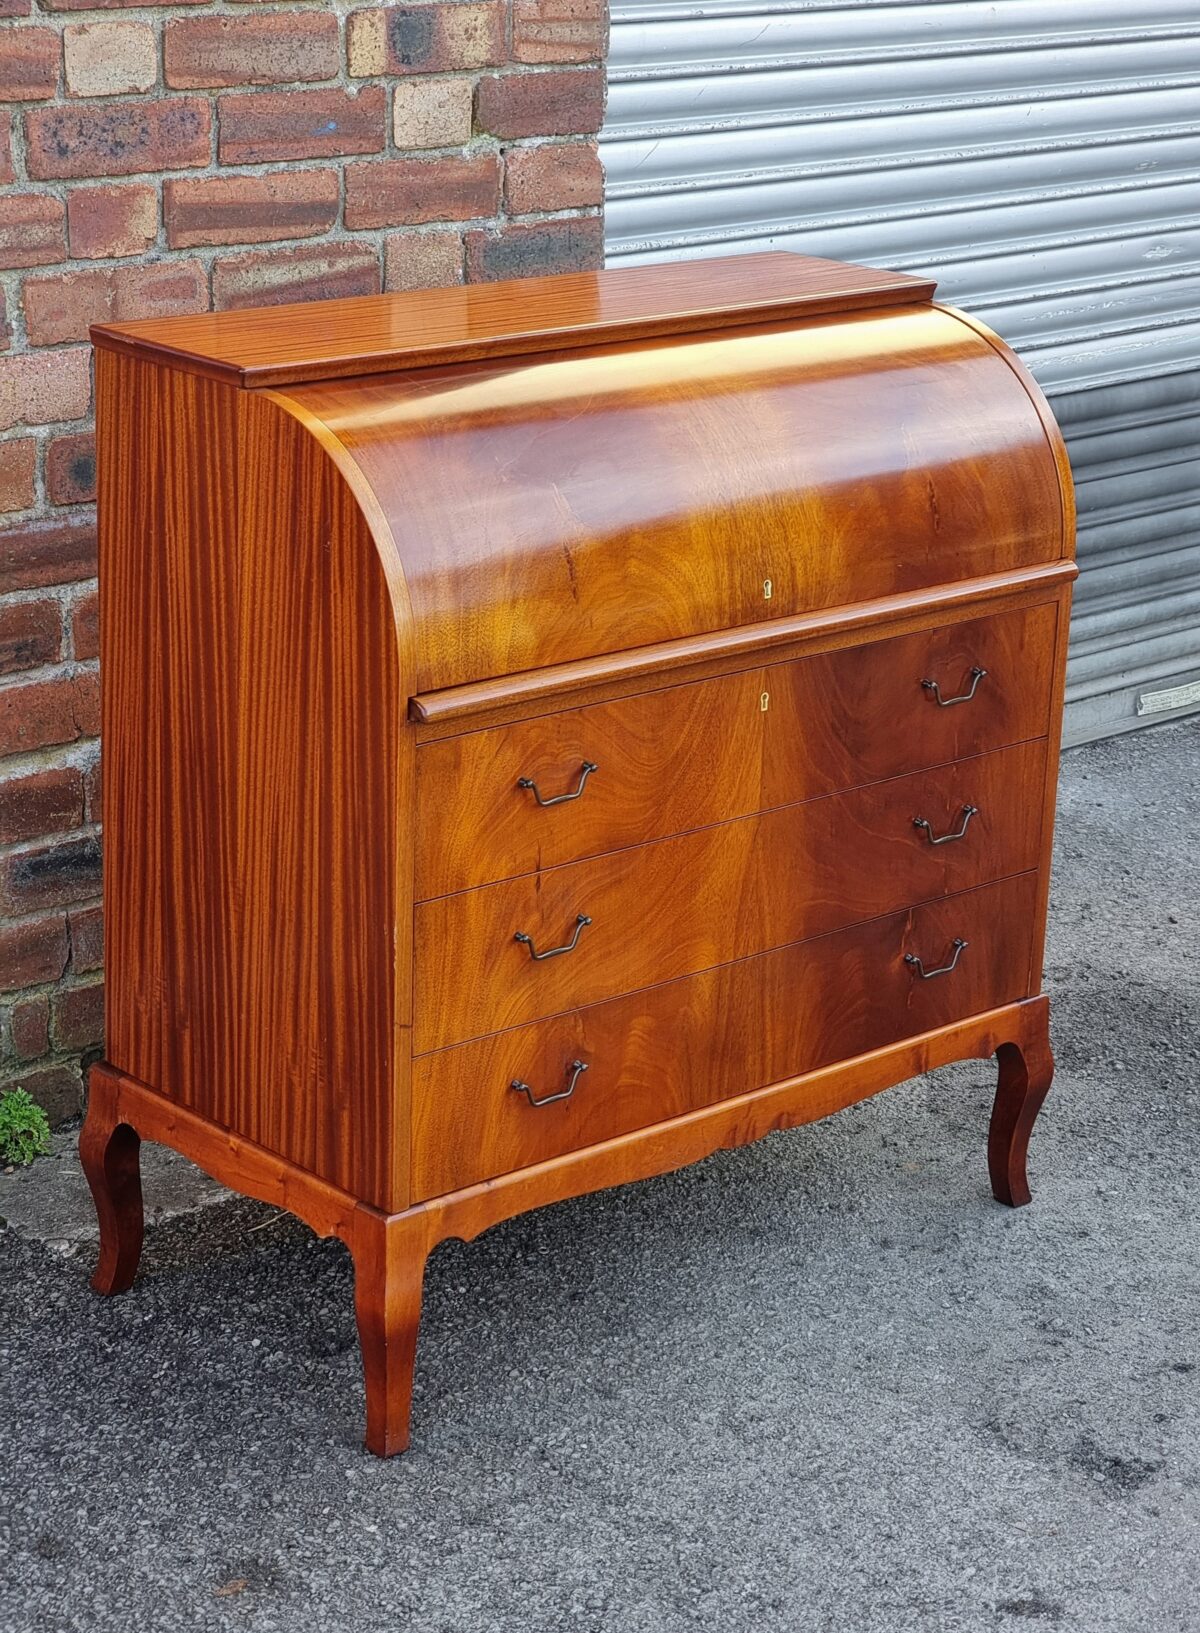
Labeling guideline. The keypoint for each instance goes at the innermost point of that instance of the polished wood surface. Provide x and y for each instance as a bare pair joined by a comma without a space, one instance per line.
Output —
254,756
109,1153
708,1037
543,509
683,904
1026,1072
340,621
371,334
480,704
388,1278
687,756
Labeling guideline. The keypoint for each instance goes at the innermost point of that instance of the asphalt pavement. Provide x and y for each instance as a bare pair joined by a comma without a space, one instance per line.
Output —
821,1385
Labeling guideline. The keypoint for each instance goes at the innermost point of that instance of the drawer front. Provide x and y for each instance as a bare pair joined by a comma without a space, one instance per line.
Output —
685,904
725,1032
708,751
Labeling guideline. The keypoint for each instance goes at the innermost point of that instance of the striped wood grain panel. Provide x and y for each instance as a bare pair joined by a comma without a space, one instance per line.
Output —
255,754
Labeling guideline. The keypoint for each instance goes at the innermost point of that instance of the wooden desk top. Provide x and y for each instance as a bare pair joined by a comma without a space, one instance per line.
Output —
377,334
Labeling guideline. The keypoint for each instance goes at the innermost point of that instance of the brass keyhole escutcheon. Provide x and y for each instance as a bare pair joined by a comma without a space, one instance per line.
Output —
764,702
768,589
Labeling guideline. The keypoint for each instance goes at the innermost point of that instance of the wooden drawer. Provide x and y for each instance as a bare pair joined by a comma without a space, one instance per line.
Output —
684,904
705,752
725,1032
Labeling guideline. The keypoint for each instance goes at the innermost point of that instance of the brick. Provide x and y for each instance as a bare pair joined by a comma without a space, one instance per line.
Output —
29,59
250,209
15,8
47,552
316,272
116,5
5,326
556,176
30,635
432,113
34,952
42,390
559,30
569,102
262,127
106,222
407,192
426,38
85,627
48,802
59,710
118,138
87,938
534,250
79,1016
57,1089
6,165
109,59
61,307
423,260
269,50
32,230
71,476
18,461
51,875
29,1026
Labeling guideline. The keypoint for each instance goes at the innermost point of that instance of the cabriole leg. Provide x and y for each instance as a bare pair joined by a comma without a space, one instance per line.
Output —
1026,1072
108,1150
389,1274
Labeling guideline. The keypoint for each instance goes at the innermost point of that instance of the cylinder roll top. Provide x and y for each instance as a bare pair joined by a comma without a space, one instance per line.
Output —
546,509
669,452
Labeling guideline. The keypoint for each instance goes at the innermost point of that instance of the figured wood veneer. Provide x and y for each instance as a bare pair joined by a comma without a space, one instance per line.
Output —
549,509
686,756
690,1042
364,565
683,904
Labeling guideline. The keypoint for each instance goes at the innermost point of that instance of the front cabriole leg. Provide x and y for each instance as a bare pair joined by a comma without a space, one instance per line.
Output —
389,1272
108,1151
1026,1072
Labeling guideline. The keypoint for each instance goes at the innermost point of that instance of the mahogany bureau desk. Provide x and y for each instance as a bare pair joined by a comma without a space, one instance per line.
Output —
553,730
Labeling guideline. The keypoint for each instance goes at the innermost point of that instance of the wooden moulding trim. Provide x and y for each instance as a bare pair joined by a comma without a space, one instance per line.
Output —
384,334
747,640
663,1147
239,1163
642,1154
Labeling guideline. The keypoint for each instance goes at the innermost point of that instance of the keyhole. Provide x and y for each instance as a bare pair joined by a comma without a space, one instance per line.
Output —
768,589
764,702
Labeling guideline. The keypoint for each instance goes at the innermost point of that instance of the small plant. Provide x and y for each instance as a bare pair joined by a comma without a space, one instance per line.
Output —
24,1130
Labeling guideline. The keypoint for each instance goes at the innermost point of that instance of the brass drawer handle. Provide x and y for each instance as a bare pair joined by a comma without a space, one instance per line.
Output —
581,924
968,811
561,799
977,675
573,1071
928,975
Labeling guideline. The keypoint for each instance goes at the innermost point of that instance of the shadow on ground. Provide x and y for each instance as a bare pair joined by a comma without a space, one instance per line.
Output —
823,1384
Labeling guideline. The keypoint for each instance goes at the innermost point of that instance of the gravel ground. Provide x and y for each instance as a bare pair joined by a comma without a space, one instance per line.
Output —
822,1384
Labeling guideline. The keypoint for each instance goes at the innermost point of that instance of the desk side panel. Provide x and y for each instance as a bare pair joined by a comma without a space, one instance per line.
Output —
251,719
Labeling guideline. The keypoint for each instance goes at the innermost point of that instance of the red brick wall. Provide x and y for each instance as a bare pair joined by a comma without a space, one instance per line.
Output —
160,158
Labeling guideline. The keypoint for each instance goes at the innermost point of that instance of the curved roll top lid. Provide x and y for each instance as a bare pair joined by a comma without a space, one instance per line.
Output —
558,504
550,509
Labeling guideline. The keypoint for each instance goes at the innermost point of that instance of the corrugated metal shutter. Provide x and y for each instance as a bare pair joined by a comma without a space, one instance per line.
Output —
1041,158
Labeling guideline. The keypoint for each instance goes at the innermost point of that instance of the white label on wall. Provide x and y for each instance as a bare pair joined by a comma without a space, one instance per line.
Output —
1175,697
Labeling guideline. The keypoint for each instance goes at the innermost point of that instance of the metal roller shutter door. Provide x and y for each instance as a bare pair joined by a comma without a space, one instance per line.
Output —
1041,158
